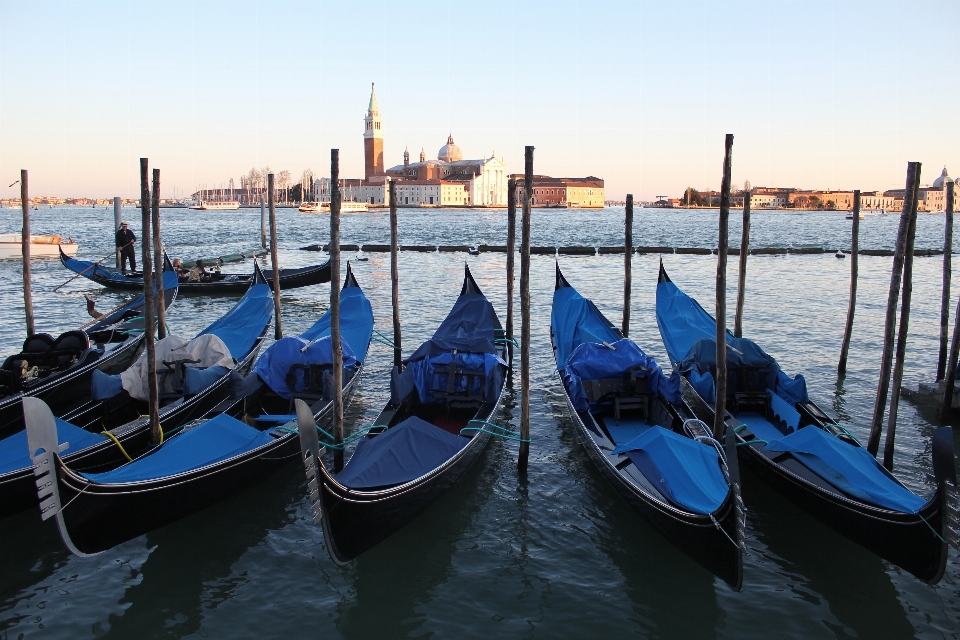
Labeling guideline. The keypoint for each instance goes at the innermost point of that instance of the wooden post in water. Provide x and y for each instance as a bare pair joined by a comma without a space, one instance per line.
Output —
947,267
395,274
902,332
854,267
719,424
263,222
25,251
149,305
158,257
335,306
742,276
951,370
117,219
893,296
277,326
627,264
525,311
511,255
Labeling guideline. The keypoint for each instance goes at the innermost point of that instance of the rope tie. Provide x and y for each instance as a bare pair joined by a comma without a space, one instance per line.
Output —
114,438
383,339
503,432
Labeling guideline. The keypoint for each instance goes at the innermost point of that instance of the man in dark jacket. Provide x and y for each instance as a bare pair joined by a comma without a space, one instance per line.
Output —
125,240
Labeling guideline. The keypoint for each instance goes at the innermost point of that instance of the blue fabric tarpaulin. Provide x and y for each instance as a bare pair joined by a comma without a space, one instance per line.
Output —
685,471
196,380
849,468
426,380
213,441
576,320
240,327
275,363
400,454
682,321
15,454
468,327
356,322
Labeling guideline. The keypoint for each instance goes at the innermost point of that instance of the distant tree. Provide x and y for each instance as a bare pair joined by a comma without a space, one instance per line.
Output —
815,202
692,197
831,204
254,182
283,181
747,186
306,183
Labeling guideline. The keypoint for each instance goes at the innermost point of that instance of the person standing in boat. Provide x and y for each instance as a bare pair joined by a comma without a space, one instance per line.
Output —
125,240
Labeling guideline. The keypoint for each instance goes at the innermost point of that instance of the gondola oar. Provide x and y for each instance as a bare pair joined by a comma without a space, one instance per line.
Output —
93,266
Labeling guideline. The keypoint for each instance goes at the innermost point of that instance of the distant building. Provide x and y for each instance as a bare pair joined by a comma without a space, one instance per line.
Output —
876,200
372,138
765,201
585,193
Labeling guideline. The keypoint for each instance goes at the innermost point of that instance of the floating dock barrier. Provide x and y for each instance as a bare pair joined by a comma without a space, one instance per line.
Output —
454,248
697,251
424,248
577,251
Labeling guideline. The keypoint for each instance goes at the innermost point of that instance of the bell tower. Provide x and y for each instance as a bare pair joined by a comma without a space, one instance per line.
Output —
372,138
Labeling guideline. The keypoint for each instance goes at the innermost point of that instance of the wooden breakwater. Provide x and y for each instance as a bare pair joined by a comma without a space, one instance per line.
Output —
582,250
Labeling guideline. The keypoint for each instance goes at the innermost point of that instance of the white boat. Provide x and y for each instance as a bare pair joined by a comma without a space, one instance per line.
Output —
40,246
850,216
324,207
216,205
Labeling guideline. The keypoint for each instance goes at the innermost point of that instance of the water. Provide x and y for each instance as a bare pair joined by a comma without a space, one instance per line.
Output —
556,555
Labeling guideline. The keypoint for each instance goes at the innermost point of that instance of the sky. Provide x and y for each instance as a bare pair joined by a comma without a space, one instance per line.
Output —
833,94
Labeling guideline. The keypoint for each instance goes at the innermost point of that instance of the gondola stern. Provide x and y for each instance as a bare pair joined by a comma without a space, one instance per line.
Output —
662,276
258,277
350,280
561,282
469,284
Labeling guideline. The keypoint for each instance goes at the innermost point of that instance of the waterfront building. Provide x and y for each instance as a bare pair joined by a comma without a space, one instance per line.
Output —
581,193
765,201
877,200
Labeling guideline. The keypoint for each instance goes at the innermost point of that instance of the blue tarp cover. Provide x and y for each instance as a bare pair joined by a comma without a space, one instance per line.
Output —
170,281
400,454
103,385
356,322
687,472
576,320
594,361
275,363
850,469
422,374
468,327
240,327
219,439
196,380
14,451
682,321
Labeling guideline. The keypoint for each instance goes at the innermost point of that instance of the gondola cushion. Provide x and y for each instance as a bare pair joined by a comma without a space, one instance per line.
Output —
685,471
275,363
196,380
427,381
403,453
849,468
15,454
104,386
216,440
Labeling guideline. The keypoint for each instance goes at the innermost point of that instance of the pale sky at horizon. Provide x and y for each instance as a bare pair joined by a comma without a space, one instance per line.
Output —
818,94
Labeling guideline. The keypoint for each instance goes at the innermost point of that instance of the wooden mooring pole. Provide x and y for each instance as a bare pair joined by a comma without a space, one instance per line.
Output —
511,255
25,251
854,267
335,307
893,296
158,257
720,407
149,305
945,296
277,324
902,332
263,222
951,368
627,263
742,276
525,312
395,275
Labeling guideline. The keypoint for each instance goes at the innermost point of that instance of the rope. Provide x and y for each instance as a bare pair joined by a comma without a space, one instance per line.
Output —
509,435
384,340
932,529
507,341
114,438
754,441
843,431
353,437
722,530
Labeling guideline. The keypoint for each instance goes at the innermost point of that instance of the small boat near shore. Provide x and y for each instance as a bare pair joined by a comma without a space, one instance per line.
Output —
216,205
40,246
324,207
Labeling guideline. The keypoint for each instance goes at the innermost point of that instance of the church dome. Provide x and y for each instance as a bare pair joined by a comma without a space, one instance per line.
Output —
940,182
450,152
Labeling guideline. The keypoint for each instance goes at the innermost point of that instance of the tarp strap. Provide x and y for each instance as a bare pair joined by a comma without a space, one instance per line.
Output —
502,432
507,341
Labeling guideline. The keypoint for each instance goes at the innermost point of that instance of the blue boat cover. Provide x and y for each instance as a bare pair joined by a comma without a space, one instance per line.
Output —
594,361
275,363
240,327
849,468
682,321
422,376
104,385
687,472
219,439
15,454
468,327
400,454
356,322
576,320
196,380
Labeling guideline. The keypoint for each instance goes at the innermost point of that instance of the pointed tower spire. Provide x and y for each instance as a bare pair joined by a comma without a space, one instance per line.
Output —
423,155
373,109
373,138
406,157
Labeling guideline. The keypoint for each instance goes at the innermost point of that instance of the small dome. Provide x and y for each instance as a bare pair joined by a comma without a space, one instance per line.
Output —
940,182
450,152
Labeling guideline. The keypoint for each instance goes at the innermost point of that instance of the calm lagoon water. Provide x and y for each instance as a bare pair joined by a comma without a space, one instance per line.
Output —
557,554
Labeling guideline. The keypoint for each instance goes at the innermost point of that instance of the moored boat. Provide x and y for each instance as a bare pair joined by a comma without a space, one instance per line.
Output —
436,423
210,458
40,246
802,452
216,205
631,420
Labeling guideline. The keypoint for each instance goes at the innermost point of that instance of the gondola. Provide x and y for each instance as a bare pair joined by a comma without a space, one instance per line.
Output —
211,457
803,453
64,366
218,282
632,422
436,423
193,377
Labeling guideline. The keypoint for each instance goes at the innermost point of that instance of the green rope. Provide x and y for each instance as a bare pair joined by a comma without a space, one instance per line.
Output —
509,435
384,339
844,432
507,341
754,441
